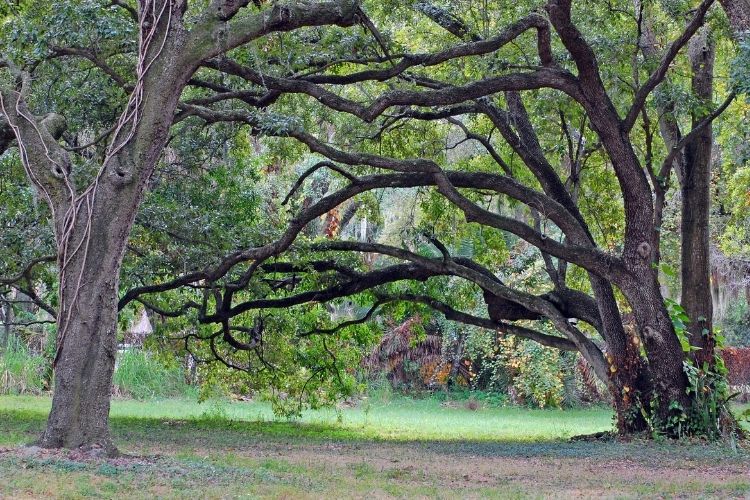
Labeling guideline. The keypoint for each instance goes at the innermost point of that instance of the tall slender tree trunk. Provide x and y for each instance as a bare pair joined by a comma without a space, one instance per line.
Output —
7,311
696,201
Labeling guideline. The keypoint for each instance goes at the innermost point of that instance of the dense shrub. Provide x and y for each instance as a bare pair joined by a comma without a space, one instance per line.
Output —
21,371
529,373
408,356
140,375
492,373
537,373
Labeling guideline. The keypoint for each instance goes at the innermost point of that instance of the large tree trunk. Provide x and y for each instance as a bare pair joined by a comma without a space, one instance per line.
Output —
90,258
627,383
84,368
87,323
696,200
663,349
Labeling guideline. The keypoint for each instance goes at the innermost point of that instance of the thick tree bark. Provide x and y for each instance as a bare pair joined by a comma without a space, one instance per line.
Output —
696,200
89,261
738,12
626,377
91,229
84,368
663,349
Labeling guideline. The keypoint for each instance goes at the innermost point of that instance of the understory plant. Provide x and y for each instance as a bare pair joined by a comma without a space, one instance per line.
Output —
141,375
530,374
21,371
707,386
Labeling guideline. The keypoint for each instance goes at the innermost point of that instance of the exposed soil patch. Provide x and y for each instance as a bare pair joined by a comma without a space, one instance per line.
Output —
382,470
558,469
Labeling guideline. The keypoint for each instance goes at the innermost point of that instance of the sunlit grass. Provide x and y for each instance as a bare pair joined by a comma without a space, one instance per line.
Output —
399,420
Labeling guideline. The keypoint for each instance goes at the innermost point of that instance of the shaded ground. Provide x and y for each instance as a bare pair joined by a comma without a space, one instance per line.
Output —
215,458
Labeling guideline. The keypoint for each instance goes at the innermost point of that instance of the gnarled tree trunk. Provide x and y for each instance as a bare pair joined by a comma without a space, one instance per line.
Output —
663,349
626,374
89,263
85,364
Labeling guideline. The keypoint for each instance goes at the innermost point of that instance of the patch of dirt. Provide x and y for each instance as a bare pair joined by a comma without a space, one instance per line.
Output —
570,470
580,476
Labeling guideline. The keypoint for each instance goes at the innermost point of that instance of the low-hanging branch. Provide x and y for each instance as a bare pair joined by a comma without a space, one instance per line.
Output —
587,257
419,268
543,307
461,317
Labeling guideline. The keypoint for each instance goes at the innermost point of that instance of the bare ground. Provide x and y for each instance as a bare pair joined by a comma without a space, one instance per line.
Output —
304,469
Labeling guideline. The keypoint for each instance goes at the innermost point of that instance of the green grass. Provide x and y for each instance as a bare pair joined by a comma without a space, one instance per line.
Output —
405,448
400,420
20,370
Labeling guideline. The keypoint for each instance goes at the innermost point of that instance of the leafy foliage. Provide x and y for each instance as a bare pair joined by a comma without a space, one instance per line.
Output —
529,373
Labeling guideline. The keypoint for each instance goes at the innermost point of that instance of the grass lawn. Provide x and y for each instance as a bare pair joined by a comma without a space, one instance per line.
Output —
402,449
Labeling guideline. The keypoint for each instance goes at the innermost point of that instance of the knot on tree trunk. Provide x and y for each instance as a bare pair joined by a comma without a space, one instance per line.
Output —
651,333
644,250
55,124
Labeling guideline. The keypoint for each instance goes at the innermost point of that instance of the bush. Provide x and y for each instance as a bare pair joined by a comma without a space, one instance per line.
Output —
21,371
140,375
491,366
538,377
529,373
